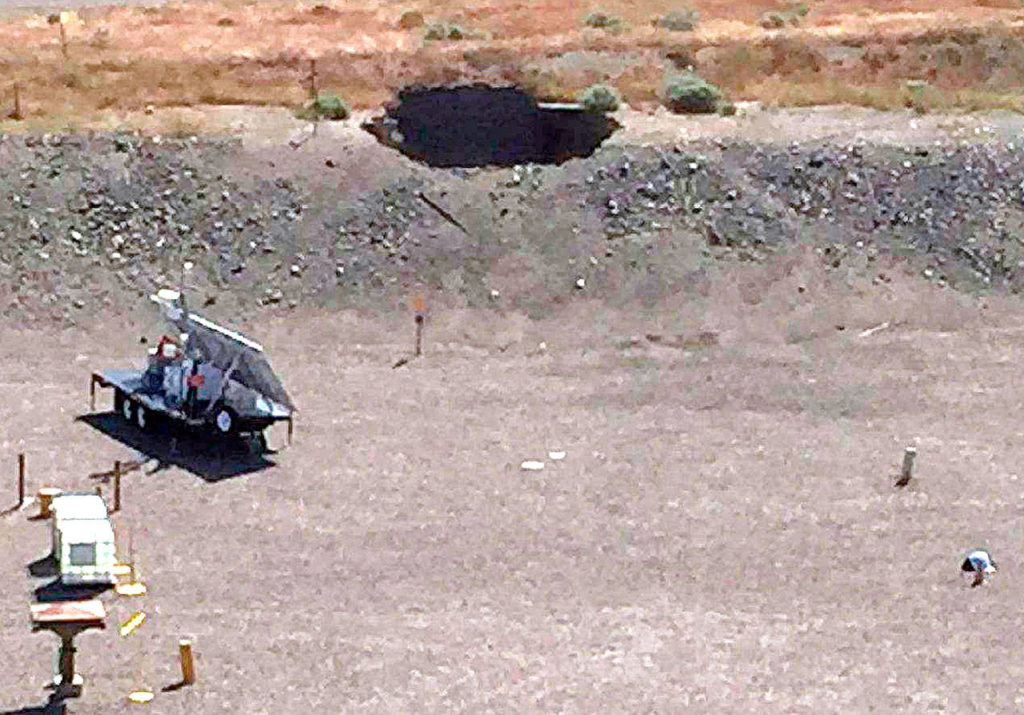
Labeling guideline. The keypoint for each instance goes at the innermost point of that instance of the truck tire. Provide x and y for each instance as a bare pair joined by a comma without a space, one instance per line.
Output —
118,400
127,410
143,418
225,422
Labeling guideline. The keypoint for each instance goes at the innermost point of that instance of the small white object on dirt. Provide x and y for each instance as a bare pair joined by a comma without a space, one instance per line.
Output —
556,456
531,466
581,284
495,294
871,331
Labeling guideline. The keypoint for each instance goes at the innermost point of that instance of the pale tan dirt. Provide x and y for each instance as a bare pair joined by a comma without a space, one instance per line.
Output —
722,535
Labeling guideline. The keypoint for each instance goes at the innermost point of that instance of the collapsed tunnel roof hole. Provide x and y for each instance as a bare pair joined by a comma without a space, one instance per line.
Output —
480,125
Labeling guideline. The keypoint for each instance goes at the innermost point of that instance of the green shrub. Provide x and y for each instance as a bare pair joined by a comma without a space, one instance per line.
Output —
679,20
410,20
772,20
326,106
688,93
599,98
918,95
601,20
780,18
440,31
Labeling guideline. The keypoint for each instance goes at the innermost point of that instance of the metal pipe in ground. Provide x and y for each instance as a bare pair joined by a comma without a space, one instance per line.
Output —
188,669
117,486
21,479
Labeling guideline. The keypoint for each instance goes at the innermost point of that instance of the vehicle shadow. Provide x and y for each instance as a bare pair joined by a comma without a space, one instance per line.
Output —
55,705
43,567
56,591
208,458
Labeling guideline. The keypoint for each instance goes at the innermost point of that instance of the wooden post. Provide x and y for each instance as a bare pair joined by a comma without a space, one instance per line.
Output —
63,39
16,114
67,663
314,95
92,394
21,479
117,486
188,669
908,466
419,308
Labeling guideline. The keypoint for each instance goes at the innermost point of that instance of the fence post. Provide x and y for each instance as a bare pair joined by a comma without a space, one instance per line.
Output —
21,479
188,669
16,114
117,486
63,39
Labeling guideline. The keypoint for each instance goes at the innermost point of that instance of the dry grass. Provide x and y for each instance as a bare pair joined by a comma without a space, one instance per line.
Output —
239,53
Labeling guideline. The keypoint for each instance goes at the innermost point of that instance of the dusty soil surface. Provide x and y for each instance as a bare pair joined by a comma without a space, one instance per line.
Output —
722,533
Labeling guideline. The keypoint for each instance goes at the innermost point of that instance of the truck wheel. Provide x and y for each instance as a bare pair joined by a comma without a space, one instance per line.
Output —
118,400
224,422
143,418
127,410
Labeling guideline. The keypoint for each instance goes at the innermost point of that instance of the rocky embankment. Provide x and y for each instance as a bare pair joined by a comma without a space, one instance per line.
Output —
88,222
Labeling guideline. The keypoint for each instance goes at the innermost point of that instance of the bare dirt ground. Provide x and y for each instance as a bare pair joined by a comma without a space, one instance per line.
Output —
722,534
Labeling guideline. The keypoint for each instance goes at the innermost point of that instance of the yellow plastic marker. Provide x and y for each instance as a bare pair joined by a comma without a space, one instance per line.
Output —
132,623
140,696
130,589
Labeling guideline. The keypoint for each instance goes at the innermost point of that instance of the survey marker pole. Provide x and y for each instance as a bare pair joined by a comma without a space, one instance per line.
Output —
420,312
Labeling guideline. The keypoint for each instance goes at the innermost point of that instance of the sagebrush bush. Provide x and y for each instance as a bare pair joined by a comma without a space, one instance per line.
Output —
602,20
682,20
326,106
440,31
410,20
599,98
772,20
780,18
689,93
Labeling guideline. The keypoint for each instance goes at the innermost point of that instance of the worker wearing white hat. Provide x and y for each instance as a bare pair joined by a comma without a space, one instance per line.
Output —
977,565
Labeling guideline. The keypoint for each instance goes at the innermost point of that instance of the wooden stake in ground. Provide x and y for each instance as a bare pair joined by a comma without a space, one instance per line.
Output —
16,115
21,479
314,95
117,486
420,312
63,39
908,466
188,669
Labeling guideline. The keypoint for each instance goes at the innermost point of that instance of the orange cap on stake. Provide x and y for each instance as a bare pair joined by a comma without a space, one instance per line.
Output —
418,305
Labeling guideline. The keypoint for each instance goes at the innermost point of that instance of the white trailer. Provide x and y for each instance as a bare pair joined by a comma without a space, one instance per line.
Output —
83,540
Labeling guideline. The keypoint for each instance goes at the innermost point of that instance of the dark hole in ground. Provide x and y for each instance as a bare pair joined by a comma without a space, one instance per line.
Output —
487,126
